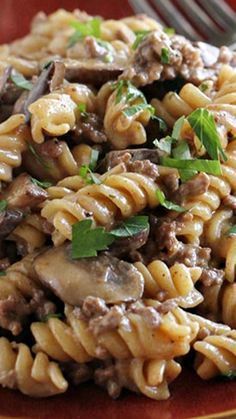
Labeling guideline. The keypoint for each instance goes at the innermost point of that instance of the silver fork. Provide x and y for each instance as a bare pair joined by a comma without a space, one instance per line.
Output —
211,20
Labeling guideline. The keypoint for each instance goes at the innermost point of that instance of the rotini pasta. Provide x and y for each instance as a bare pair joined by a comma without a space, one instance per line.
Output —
117,262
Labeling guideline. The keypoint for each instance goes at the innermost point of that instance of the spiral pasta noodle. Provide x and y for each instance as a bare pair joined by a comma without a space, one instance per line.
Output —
13,137
150,378
125,194
35,377
216,355
74,340
174,282
29,235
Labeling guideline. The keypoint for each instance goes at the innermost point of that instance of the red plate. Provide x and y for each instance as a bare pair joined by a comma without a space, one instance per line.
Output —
191,397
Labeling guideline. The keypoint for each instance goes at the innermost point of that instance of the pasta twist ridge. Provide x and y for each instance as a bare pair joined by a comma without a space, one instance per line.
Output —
35,377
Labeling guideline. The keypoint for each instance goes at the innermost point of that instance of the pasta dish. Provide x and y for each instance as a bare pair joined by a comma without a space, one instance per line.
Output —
117,206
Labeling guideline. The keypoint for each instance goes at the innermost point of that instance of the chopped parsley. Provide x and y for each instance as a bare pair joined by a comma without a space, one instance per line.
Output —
168,204
86,173
20,81
208,166
164,144
140,35
90,28
165,55
232,230
169,31
38,157
87,241
131,227
93,159
203,87
3,205
203,124
3,273
41,184
82,109
176,132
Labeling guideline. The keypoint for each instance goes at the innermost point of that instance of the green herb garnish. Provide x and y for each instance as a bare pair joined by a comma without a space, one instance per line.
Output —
82,109
208,166
230,375
131,227
87,241
3,273
20,81
176,132
169,31
164,144
140,35
203,124
232,230
3,205
132,110
203,87
165,55
90,28
41,184
86,173
130,91
38,157
93,159
168,204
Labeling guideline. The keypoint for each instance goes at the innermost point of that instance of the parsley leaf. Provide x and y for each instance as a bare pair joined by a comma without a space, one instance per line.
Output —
3,273
168,204
86,173
203,87
164,144
177,128
208,166
232,230
41,184
182,152
132,110
129,90
140,35
165,55
93,159
86,241
38,157
3,205
20,81
90,28
82,109
203,124
131,227
169,31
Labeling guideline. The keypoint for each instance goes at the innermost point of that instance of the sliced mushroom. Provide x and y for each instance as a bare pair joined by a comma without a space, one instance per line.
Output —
91,71
9,219
105,277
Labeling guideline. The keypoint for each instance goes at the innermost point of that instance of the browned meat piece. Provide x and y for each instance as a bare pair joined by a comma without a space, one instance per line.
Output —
51,148
23,193
93,306
9,219
3,80
107,376
73,281
77,373
193,62
58,74
211,277
118,156
196,186
4,264
13,311
90,127
91,71
110,321
127,245
39,88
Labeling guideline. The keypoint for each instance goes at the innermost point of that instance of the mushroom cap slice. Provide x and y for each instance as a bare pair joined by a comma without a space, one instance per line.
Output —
104,276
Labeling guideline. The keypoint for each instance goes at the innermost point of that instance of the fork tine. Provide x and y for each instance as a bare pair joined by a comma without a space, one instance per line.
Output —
176,19
142,6
221,12
199,17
